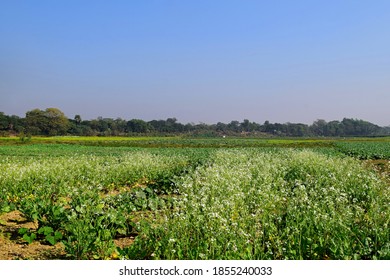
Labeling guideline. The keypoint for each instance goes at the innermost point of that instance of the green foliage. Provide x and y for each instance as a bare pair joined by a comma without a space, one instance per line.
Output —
203,203
85,197
28,236
6,207
89,234
25,137
52,121
253,204
366,150
43,211
50,234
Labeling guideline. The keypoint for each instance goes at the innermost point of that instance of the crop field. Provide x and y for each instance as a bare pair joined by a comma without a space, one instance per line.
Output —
365,150
174,198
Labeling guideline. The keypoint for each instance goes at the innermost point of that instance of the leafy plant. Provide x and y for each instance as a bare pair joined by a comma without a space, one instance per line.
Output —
50,235
28,236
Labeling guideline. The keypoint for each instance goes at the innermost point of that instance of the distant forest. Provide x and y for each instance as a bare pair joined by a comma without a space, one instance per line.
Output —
53,122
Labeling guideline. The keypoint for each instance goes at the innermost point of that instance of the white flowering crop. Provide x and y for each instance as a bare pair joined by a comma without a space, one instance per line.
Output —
281,204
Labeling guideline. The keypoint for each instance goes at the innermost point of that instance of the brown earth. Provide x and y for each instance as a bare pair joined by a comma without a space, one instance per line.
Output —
381,166
13,247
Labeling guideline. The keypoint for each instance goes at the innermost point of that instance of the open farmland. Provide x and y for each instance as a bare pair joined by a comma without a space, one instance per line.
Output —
365,150
173,198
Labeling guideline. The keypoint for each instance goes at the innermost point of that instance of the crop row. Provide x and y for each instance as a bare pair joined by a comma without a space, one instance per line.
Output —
254,204
87,200
365,150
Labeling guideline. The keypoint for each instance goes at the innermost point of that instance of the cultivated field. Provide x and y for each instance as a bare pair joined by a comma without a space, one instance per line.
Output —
178,198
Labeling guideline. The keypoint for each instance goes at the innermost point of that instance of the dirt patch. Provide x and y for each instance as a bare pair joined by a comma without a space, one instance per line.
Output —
15,220
112,190
11,222
124,241
381,166
10,250
12,245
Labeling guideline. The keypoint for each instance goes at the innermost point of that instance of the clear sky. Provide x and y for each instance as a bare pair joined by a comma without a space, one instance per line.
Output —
197,60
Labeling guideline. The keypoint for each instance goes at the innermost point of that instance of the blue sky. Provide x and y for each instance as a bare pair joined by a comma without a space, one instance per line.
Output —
198,61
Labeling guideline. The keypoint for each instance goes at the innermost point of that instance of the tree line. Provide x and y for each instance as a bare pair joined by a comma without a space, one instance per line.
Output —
53,122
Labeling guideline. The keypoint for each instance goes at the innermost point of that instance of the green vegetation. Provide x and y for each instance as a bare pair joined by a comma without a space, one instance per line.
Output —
214,198
365,150
52,122
86,197
259,204
173,142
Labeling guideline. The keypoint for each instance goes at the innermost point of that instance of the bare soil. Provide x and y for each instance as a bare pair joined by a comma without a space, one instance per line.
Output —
13,247
381,166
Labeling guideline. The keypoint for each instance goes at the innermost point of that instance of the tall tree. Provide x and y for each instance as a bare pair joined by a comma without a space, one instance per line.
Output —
77,119
52,121
36,122
4,122
138,126
57,122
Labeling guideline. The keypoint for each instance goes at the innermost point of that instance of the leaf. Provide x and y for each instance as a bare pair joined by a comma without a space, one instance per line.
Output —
56,212
6,209
58,235
122,231
29,238
22,231
35,216
45,230
51,239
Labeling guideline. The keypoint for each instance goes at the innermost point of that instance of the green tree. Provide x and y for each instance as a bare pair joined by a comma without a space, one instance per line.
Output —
3,121
138,126
57,122
319,127
52,122
36,122
77,119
